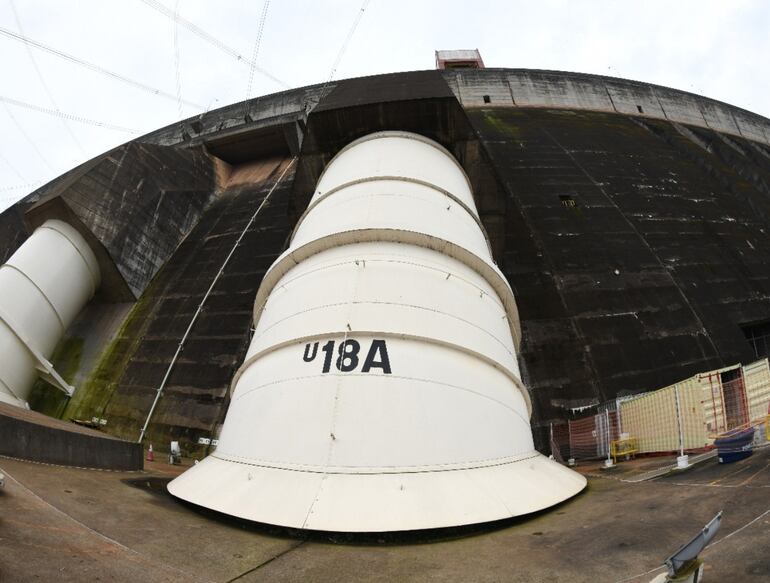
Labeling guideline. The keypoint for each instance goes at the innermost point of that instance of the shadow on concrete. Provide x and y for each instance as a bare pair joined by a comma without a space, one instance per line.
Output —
157,487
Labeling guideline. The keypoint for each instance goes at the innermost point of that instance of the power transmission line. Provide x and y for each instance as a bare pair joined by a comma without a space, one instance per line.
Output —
257,44
20,186
68,116
176,62
8,198
7,201
322,93
92,67
31,142
344,46
13,169
211,39
42,80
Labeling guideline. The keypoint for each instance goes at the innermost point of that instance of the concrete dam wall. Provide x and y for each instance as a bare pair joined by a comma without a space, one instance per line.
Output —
630,221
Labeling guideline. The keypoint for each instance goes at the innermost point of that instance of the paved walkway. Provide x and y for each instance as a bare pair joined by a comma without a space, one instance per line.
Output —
66,524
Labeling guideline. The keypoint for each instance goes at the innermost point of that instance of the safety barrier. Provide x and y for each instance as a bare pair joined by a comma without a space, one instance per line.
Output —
686,416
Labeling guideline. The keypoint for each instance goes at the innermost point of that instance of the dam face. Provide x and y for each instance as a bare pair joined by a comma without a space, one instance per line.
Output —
629,221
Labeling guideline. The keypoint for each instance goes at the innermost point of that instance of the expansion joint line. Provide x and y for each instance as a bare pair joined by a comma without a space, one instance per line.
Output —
337,389
267,562
186,334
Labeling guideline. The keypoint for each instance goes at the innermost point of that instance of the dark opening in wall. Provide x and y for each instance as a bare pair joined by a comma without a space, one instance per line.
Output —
567,201
461,65
639,109
487,99
758,335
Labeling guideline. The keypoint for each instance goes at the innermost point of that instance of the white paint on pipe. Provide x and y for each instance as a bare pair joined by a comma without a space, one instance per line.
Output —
381,390
43,286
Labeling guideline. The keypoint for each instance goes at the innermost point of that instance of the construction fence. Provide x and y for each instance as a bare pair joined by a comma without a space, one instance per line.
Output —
684,417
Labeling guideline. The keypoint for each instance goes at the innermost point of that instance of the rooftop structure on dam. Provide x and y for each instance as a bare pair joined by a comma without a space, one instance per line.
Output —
630,221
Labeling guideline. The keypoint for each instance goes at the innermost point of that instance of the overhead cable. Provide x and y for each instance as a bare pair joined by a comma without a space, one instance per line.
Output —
344,46
323,91
92,67
68,116
25,135
13,169
9,198
20,186
180,346
211,39
176,62
257,44
7,202
43,82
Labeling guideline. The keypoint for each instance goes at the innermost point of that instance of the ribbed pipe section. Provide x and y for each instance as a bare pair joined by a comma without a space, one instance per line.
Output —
381,390
43,286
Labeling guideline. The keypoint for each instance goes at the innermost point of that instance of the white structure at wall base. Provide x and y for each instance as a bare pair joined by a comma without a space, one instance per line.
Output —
43,286
381,390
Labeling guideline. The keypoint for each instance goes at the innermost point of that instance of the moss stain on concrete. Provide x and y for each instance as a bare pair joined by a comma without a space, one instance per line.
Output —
504,127
92,398
66,360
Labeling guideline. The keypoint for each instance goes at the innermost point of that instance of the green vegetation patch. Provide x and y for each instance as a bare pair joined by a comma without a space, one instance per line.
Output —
505,127
66,358
91,399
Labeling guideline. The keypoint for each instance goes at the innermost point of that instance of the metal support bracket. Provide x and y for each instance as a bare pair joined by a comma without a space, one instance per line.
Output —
48,373
45,369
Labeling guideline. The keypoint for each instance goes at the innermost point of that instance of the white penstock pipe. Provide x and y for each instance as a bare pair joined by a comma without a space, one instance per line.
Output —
381,390
43,286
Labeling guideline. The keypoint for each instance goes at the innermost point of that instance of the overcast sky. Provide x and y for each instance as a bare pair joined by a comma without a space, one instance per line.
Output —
717,49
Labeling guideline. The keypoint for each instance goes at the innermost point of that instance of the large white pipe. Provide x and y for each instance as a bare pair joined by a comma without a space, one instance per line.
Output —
43,286
381,390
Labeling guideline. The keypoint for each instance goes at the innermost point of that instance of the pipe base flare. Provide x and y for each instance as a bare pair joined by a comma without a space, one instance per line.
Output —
377,502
